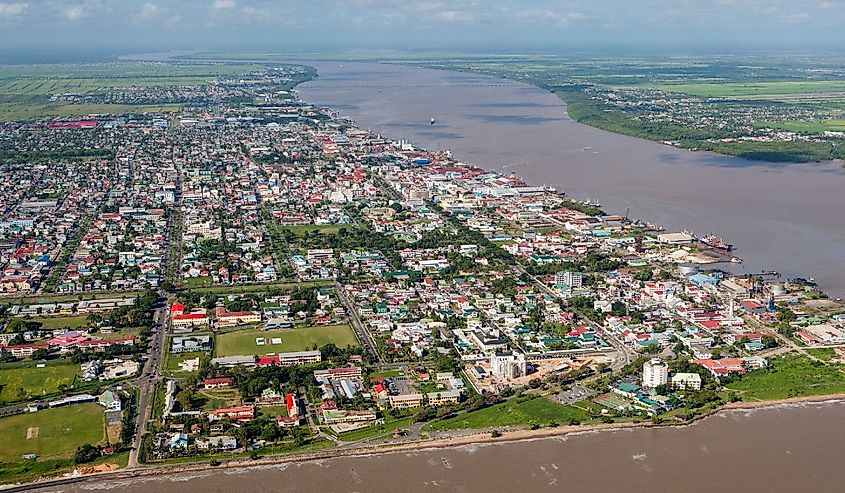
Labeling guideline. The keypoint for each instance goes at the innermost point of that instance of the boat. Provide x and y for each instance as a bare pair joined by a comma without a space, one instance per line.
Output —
736,260
432,120
716,243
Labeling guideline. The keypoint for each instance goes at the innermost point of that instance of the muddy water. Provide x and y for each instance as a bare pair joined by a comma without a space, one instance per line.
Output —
783,449
787,218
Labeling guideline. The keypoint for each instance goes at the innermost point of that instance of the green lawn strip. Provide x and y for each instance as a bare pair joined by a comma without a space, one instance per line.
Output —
791,376
525,411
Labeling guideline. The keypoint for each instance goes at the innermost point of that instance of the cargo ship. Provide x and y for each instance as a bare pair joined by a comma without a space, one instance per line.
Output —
716,243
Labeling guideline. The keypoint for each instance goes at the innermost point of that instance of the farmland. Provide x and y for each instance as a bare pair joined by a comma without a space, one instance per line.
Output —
752,90
53,433
243,342
29,380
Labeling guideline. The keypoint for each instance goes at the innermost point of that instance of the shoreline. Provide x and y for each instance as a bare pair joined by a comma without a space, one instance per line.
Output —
481,436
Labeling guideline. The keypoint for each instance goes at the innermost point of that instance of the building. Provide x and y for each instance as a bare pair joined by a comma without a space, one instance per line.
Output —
231,319
290,359
572,279
217,443
189,344
406,401
443,398
655,373
239,413
189,320
508,365
217,383
686,381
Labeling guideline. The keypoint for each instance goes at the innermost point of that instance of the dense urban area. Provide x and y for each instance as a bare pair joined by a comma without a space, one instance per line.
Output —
198,267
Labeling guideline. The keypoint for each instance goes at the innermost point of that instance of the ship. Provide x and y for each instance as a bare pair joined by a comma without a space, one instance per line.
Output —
432,120
716,243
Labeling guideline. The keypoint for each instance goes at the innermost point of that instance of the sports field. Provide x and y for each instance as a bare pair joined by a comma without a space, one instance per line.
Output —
244,342
51,433
34,381
51,323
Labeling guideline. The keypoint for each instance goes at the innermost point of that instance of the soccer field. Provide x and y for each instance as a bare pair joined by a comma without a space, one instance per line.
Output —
35,381
51,433
243,342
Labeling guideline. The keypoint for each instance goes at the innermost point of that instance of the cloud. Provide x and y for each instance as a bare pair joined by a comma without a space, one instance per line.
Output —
8,10
223,5
74,12
148,10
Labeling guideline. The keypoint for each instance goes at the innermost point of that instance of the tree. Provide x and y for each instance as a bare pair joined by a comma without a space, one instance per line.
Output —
42,353
86,453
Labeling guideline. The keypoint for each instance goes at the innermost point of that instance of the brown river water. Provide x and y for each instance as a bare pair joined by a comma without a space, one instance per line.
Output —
783,217
787,448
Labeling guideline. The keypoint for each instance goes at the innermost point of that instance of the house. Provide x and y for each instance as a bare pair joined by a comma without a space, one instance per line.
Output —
217,383
188,344
238,413
686,381
179,441
110,401
217,443
189,320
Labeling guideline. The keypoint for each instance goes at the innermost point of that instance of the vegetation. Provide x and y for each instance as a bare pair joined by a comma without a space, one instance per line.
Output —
242,342
522,411
27,380
790,376
53,433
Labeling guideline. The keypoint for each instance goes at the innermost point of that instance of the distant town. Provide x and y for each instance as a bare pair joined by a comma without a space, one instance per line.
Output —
247,276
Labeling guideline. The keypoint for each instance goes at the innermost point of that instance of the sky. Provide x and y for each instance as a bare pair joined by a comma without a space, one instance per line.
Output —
481,25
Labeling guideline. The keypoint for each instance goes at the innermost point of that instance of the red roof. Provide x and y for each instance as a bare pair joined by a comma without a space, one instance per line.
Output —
190,316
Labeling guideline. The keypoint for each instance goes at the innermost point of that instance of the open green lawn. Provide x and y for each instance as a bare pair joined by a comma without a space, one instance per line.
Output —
55,298
52,323
35,381
59,432
219,398
816,127
195,282
258,288
515,412
791,376
753,90
38,110
242,342
172,361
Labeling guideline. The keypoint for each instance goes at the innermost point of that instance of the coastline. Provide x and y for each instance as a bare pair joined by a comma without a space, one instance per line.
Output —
480,437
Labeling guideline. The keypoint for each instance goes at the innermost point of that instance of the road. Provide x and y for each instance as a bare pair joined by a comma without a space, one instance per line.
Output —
624,354
150,374
361,331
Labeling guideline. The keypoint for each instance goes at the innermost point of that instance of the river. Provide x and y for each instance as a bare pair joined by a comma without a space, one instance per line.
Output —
782,217
787,448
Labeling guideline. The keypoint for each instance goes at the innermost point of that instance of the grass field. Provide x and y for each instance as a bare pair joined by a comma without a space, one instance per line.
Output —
242,342
49,298
172,361
40,109
301,229
257,288
219,398
515,412
747,90
791,376
52,323
35,381
817,127
59,432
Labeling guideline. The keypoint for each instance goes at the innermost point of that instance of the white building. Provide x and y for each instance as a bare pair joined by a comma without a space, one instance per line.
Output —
572,279
508,366
655,373
686,381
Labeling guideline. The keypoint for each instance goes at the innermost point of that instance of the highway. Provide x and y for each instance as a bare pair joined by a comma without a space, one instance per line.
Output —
361,331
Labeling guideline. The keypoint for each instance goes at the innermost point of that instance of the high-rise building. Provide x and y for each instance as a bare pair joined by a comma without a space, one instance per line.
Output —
655,373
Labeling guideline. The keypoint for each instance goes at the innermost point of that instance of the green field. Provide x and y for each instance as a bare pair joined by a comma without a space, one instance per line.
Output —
60,432
301,229
36,110
747,90
791,376
52,323
171,365
35,381
515,412
257,288
242,342
816,127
